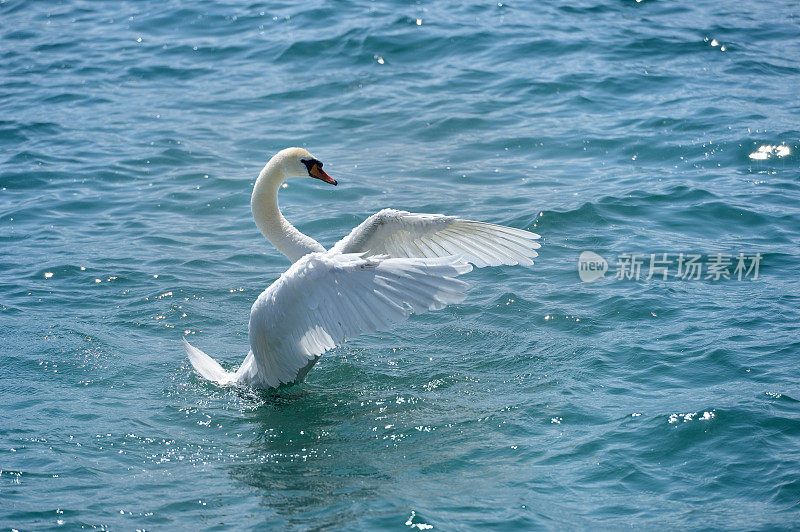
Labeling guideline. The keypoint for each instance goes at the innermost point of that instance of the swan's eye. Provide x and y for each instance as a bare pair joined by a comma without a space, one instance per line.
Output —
310,164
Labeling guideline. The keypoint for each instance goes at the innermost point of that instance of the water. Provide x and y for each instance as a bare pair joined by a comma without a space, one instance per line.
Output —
131,136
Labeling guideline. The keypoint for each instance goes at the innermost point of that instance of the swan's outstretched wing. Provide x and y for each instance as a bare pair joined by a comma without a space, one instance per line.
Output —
405,234
327,297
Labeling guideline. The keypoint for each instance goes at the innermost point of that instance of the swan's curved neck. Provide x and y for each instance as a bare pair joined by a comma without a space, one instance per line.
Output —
264,202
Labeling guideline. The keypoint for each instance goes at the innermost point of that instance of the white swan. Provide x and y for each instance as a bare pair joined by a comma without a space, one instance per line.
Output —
394,263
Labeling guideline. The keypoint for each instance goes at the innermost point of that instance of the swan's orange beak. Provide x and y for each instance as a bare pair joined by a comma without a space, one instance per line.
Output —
317,172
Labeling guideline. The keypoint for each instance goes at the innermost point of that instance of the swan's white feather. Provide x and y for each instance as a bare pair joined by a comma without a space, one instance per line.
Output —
404,234
325,298
206,366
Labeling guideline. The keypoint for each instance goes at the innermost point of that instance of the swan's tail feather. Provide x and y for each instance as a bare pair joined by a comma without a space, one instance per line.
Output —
206,366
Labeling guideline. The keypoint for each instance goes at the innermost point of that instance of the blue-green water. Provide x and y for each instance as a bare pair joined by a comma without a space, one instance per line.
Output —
131,135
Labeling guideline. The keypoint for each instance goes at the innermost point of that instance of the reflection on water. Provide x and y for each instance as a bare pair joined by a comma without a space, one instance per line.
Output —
312,455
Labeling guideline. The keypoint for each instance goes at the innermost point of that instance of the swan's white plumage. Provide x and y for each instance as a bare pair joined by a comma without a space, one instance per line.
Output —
394,263
207,366
405,234
325,298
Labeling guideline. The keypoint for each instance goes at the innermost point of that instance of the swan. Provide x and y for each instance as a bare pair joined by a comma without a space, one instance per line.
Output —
394,263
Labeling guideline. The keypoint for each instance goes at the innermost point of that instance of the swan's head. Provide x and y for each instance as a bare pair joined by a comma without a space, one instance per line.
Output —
298,162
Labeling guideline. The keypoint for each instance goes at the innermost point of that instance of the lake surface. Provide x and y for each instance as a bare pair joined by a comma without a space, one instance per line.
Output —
130,137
